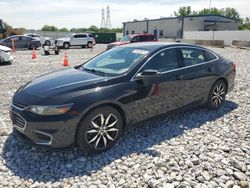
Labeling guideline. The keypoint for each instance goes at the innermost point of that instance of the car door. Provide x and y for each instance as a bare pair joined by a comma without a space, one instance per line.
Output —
25,42
7,42
79,40
198,74
160,94
17,41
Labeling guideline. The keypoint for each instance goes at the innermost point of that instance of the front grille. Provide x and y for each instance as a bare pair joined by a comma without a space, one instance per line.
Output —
18,105
18,121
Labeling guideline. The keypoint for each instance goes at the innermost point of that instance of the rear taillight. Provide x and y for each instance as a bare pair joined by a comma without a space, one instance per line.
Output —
234,67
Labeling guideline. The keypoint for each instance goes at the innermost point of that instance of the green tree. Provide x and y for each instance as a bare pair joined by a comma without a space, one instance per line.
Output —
64,29
93,28
49,28
183,11
245,24
207,11
231,12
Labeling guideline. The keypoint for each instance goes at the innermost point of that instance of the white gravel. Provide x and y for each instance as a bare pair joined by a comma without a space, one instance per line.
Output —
199,148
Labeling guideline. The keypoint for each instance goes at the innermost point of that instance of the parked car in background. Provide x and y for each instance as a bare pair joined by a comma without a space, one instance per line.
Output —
79,39
21,41
43,40
91,104
132,39
5,54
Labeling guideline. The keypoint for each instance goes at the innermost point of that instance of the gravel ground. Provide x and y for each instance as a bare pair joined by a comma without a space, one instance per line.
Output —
199,148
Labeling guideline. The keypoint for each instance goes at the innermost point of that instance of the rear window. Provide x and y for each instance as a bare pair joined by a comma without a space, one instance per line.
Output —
193,56
209,56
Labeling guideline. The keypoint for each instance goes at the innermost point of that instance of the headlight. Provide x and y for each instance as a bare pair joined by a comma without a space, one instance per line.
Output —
50,110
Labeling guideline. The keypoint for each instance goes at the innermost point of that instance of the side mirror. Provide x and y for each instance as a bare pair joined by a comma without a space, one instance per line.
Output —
149,73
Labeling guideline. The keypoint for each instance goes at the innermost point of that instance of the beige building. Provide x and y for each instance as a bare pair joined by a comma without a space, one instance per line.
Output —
174,27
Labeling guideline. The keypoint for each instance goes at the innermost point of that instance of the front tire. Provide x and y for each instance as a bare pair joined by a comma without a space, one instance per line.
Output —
217,95
99,130
47,43
66,45
33,46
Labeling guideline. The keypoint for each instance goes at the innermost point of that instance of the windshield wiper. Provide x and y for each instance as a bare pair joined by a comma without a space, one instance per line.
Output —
94,71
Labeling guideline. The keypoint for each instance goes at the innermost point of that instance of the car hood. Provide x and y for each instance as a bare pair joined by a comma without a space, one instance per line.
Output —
5,48
119,43
61,82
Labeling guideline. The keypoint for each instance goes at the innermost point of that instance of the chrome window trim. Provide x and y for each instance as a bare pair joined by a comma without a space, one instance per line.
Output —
18,108
167,48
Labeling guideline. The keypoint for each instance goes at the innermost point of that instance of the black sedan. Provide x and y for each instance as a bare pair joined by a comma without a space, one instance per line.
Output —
90,105
21,41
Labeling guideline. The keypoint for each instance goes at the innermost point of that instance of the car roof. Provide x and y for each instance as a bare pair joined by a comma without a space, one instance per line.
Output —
151,46
18,36
138,34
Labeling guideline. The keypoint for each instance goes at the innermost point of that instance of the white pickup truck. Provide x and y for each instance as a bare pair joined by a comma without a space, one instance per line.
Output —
79,39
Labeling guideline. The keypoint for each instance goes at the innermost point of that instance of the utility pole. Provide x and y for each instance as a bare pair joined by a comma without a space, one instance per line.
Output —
103,19
108,20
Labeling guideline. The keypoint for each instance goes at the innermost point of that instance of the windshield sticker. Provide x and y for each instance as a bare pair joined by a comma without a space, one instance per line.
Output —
142,52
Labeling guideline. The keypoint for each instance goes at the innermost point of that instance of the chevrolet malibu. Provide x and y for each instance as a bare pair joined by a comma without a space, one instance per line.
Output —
91,104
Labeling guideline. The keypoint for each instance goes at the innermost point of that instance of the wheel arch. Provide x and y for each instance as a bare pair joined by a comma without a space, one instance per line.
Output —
116,106
66,42
224,80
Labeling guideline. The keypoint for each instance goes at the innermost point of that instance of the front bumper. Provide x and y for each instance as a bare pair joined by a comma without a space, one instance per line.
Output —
59,43
53,131
6,56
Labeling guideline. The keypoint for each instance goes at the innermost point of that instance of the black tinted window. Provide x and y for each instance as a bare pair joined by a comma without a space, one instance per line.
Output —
144,38
209,56
80,36
192,56
136,39
25,38
163,61
151,38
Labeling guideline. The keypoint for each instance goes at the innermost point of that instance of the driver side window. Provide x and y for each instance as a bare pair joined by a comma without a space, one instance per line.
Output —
164,61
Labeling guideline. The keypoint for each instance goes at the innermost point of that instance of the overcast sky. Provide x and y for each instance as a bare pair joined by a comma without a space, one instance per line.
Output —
83,13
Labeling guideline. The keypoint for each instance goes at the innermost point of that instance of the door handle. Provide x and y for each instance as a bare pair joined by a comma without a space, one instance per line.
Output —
211,69
179,77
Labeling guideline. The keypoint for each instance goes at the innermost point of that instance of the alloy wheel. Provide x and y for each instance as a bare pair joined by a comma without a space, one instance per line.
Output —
103,131
218,95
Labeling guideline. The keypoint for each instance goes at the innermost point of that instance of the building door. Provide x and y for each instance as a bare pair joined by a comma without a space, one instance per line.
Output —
155,32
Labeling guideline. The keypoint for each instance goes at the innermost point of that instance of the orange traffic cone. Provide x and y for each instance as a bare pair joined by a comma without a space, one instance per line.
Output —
33,54
66,59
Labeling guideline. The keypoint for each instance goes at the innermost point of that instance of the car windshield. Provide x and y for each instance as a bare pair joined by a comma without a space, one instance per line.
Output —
116,61
125,38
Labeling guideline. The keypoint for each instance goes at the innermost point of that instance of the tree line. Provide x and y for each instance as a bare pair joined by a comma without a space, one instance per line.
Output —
92,28
228,12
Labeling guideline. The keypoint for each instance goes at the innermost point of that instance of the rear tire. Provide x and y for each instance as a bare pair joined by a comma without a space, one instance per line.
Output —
99,130
90,44
217,95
